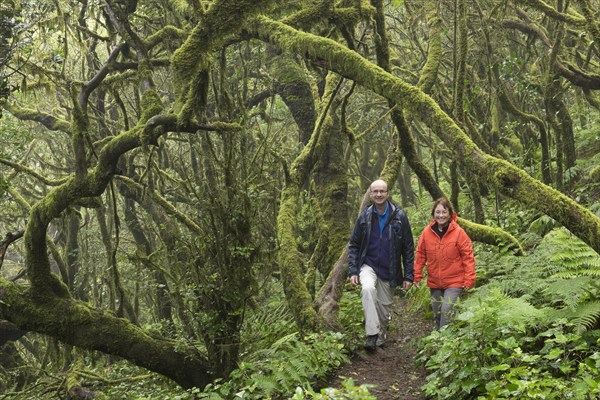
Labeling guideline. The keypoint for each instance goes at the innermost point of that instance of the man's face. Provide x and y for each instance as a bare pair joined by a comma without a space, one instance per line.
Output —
378,193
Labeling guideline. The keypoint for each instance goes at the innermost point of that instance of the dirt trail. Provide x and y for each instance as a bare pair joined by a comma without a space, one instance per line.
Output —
392,368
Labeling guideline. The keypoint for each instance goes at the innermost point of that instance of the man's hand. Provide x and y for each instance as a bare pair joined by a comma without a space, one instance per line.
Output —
406,285
354,279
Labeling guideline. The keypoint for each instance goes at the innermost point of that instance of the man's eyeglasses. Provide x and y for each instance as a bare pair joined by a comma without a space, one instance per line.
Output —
379,191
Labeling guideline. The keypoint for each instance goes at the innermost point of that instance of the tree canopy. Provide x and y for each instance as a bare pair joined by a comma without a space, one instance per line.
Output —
163,160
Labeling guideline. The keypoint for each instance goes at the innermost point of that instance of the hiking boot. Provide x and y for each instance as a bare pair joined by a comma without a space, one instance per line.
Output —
371,343
381,339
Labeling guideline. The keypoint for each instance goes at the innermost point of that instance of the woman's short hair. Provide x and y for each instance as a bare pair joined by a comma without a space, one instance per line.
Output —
444,202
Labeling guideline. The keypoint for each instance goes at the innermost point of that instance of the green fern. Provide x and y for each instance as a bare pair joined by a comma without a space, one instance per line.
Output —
573,255
267,384
519,287
561,273
292,372
587,315
517,313
265,325
570,291
583,316
594,273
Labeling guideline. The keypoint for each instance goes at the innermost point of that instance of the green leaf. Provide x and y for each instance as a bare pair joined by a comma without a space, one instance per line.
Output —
554,354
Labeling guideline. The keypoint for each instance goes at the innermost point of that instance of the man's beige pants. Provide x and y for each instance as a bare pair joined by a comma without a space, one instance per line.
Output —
376,300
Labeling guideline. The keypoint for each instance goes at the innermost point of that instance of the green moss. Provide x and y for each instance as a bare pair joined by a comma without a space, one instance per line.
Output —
494,236
595,174
317,12
191,61
166,33
49,121
572,18
290,262
434,54
151,105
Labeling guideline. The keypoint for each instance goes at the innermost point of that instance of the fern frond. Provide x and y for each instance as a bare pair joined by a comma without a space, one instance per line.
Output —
569,292
518,313
531,287
293,371
583,317
265,326
267,383
587,315
571,253
277,347
594,273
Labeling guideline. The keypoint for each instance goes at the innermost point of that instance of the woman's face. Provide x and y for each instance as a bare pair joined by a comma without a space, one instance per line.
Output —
441,215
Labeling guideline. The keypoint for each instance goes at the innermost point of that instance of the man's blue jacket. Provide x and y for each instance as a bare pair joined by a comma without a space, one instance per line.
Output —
401,244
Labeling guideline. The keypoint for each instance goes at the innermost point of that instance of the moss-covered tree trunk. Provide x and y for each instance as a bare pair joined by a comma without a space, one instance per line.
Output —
290,259
331,191
296,92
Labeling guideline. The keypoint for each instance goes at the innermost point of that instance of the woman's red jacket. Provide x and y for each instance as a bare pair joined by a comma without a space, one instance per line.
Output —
449,261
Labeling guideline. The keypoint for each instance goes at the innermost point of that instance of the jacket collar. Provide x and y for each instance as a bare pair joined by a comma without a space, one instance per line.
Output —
392,210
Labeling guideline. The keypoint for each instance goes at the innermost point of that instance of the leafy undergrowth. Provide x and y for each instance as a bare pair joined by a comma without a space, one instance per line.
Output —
531,331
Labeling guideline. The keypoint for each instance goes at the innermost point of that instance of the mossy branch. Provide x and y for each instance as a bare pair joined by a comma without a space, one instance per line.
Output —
489,235
76,323
50,122
434,55
191,60
8,239
18,167
162,202
324,10
169,32
573,18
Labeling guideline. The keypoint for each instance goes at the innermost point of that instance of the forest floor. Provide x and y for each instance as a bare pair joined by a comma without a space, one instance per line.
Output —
391,368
